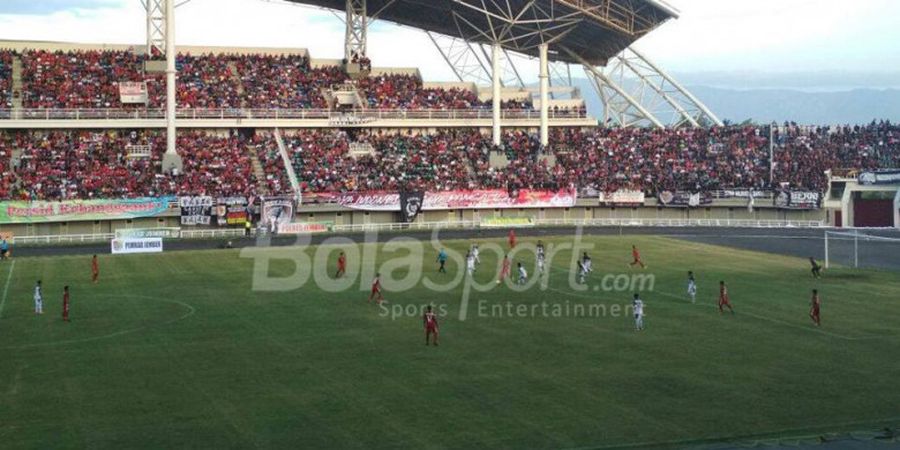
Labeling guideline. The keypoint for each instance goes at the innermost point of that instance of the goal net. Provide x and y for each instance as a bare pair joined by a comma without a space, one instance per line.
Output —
862,249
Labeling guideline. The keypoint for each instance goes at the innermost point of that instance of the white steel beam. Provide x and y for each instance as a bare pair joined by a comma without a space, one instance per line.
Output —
545,98
495,87
355,36
658,92
618,106
171,53
156,27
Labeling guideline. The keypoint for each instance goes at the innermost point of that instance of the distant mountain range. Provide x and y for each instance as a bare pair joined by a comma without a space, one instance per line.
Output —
825,98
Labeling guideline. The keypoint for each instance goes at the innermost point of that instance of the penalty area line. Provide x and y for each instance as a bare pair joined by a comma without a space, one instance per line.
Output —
6,288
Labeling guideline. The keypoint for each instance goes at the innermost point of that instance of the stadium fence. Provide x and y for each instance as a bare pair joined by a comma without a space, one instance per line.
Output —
419,226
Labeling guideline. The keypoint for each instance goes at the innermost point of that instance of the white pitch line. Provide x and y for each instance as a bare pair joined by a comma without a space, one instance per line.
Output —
773,320
6,288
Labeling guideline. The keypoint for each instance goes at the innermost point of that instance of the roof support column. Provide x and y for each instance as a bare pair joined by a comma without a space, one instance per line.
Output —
495,85
545,89
171,159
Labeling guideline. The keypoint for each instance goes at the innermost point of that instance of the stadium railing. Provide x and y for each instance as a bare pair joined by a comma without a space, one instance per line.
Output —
236,233
724,223
244,113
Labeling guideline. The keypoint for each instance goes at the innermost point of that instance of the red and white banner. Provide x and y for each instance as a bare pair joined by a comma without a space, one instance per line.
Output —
488,198
301,228
133,92
623,197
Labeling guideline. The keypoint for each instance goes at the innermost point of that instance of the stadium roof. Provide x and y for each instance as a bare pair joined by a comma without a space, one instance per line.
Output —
594,30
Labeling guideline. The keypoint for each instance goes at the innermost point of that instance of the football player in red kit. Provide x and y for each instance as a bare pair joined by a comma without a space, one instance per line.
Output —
429,319
504,269
512,239
342,265
66,303
815,304
376,290
95,269
636,255
723,298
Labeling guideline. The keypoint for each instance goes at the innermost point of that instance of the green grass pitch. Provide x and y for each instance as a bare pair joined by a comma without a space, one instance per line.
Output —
175,350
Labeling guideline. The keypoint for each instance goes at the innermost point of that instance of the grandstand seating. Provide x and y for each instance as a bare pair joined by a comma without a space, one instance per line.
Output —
95,164
89,79
6,59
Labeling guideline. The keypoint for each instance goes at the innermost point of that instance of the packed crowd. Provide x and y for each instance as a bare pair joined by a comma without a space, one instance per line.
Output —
76,79
323,162
285,82
90,79
602,159
60,165
6,60
91,164
803,154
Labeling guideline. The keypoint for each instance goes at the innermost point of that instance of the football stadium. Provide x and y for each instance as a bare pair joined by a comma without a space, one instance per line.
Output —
261,247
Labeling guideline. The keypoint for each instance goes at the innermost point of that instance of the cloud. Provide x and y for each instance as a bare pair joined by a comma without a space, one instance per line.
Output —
763,35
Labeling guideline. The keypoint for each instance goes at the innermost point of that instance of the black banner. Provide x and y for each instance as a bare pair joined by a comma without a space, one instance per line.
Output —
684,199
410,205
277,211
798,200
891,176
195,210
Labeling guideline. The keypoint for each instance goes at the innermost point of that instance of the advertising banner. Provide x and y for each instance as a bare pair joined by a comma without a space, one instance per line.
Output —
742,193
684,199
82,210
622,198
461,199
133,92
507,222
798,200
195,210
888,176
301,228
134,245
144,233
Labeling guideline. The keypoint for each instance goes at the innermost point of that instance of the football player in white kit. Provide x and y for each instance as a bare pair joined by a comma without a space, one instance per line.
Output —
523,275
541,257
475,254
470,263
638,306
692,287
586,261
38,299
582,272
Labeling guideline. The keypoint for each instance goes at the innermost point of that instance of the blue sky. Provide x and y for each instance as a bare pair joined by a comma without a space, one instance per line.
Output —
711,35
50,6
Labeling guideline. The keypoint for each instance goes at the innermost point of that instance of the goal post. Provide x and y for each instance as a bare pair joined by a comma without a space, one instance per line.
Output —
855,248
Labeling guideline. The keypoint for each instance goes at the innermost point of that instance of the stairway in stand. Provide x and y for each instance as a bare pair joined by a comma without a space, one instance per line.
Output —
17,83
261,185
236,77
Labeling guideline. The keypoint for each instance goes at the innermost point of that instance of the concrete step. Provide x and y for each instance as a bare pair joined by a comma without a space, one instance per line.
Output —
258,171
17,82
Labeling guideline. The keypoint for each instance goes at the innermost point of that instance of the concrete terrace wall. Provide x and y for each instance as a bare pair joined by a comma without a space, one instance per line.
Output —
139,48
344,216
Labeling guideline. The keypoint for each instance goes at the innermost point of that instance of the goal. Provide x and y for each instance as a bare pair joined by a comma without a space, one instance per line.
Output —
855,248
